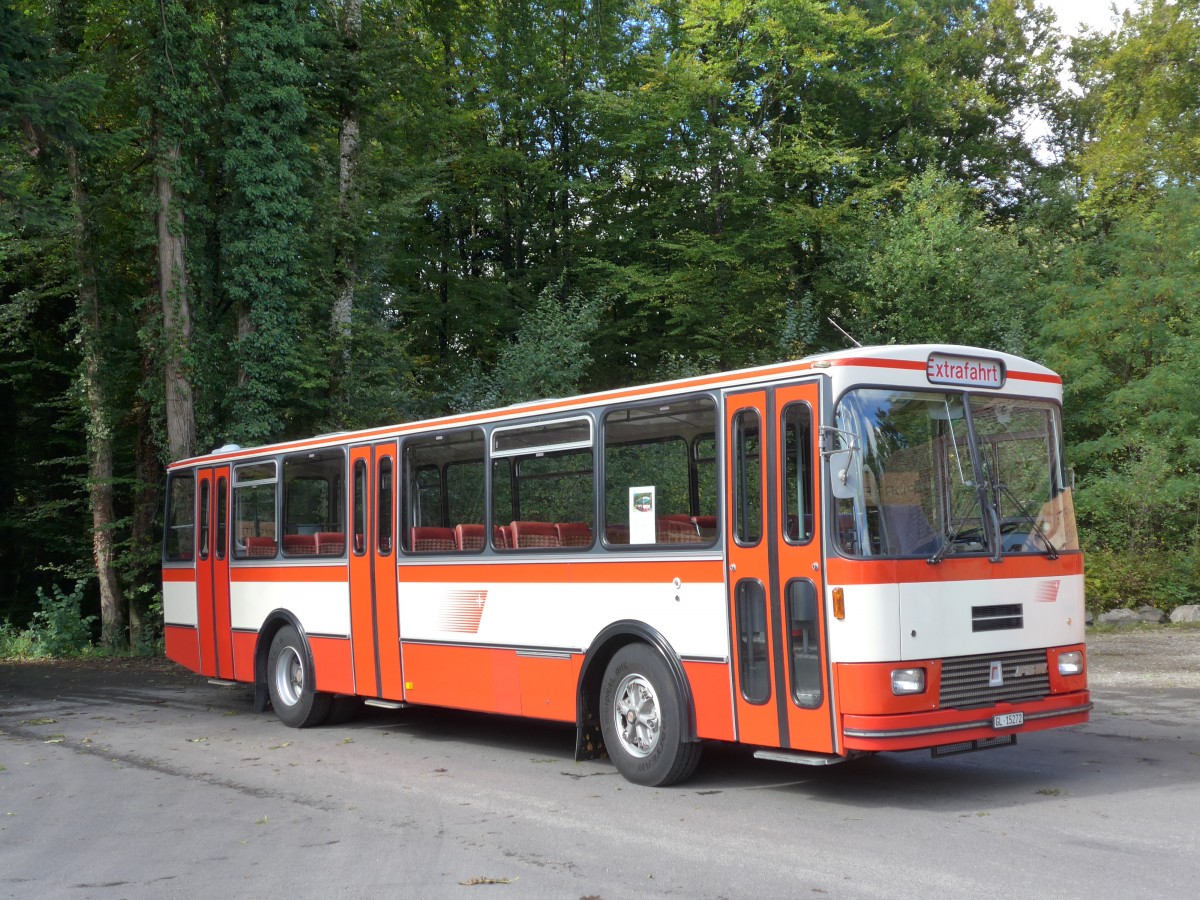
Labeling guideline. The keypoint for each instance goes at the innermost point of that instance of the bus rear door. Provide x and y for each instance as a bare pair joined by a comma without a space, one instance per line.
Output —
212,574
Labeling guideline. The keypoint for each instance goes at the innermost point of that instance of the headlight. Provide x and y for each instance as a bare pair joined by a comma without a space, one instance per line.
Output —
908,681
1070,663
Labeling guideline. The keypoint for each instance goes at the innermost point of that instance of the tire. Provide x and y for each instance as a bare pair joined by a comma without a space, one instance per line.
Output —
291,682
640,716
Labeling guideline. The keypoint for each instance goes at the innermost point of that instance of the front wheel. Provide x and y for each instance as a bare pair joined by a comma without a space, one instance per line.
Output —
292,682
639,715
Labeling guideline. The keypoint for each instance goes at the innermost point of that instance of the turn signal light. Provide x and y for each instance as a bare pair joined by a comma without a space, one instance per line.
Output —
839,603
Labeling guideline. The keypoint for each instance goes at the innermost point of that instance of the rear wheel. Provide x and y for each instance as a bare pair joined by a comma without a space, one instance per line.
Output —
640,715
291,681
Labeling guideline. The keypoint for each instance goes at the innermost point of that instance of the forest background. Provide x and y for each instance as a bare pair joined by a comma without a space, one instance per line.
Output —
239,221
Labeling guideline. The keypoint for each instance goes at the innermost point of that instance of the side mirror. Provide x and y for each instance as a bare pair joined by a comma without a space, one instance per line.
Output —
843,474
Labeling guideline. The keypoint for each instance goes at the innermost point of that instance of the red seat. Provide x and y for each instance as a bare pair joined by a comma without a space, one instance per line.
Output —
260,547
300,545
429,539
331,543
504,537
616,534
573,534
676,529
468,537
526,535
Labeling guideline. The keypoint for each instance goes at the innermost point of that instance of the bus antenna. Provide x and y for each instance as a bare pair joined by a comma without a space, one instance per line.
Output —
844,332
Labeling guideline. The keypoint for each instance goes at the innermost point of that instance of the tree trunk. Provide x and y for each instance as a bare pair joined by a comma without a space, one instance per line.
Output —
173,291
99,429
345,264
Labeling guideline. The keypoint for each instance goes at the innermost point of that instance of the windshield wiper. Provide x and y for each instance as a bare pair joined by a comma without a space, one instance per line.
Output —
1051,550
957,529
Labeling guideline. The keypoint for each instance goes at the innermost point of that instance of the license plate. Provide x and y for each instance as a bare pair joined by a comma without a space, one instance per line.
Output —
1008,720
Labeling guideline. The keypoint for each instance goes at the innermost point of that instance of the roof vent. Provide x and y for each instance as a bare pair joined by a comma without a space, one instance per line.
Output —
228,448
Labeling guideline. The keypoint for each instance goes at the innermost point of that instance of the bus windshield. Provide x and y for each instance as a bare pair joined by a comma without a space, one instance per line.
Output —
941,474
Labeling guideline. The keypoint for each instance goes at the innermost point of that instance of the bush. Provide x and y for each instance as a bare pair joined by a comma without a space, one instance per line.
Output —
1163,579
59,628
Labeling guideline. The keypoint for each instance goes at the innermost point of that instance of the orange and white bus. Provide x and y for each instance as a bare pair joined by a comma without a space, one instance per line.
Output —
855,552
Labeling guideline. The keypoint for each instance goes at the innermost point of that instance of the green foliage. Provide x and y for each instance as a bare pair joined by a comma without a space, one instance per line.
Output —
940,273
549,357
554,198
58,629
1122,580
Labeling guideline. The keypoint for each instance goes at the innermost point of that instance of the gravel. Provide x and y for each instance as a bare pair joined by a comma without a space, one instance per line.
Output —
1144,656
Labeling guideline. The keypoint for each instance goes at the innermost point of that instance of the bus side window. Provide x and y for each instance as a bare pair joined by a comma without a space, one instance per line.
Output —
179,538
314,503
543,485
660,473
254,510
442,476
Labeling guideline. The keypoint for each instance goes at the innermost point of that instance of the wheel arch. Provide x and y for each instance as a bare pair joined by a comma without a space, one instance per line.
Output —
275,620
589,742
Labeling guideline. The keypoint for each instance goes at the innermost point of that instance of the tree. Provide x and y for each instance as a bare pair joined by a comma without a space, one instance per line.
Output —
938,272
261,227
1139,126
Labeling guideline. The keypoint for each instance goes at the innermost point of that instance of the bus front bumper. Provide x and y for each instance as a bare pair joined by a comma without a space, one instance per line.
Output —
916,731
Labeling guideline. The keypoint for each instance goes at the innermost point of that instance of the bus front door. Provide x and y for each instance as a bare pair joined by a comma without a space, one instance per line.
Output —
374,608
780,654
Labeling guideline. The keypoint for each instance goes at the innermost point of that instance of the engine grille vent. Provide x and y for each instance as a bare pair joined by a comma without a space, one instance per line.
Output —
965,678
1003,617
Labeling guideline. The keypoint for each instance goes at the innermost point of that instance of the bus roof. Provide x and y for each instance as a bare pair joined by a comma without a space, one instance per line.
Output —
914,362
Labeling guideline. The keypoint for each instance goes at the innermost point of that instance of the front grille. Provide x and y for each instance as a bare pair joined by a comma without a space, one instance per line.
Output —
1002,617
965,678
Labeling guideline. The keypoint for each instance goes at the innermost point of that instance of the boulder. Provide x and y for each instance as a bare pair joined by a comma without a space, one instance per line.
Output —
1189,613
1146,614
1118,617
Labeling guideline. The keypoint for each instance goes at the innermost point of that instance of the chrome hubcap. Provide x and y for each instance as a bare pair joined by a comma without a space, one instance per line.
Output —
289,676
636,715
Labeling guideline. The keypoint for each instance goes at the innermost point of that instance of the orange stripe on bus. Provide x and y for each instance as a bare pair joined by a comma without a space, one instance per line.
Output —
545,572
289,574
179,575
839,570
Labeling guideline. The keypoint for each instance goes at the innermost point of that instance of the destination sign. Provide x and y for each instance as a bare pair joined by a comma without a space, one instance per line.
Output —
965,371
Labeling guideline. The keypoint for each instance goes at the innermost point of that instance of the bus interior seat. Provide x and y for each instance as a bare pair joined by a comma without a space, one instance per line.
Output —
300,545
260,547
527,535
573,534
468,537
332,543
431,539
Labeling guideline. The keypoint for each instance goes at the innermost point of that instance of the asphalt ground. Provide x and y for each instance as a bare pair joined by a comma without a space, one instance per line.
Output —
133,778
